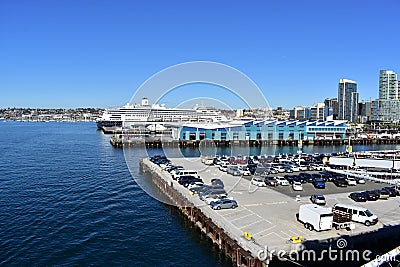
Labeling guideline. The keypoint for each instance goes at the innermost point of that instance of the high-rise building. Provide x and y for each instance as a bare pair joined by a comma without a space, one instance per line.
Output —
348,100
331,107
387,107
364,111
388,85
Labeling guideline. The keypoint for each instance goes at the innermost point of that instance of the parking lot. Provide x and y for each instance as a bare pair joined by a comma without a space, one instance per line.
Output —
330,188
269,213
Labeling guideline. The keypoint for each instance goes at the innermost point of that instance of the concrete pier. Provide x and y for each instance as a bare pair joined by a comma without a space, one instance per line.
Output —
269,215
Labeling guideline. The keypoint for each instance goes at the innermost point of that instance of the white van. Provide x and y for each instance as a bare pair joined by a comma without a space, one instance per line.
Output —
185,173
358,214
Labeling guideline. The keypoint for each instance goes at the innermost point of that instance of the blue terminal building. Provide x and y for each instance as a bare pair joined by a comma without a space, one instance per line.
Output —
272,130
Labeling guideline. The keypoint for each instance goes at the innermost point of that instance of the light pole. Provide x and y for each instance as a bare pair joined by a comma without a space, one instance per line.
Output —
300,145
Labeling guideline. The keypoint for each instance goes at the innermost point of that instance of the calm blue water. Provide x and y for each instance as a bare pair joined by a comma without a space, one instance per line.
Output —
67,198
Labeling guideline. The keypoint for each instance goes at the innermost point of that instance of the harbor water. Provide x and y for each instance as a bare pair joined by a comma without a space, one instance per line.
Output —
68,198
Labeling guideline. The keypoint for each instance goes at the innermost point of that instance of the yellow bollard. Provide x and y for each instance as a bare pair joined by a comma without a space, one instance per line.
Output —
247,235
294,239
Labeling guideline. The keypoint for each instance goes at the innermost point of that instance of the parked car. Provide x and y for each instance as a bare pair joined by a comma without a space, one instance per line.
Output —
383,194
223,168
297,186
279,168
185,180
351,181
244,170
258,181
290,178
217,181
295,167
310,167
304,166
318,199
301,179
288,169
233,170
360,180
224,204
316,167
328,176
272,181
358,197
211,192
307,176
195,184
339,182
214,198
202,189
260,171
391,190
273,170
370,195
319,183
282,181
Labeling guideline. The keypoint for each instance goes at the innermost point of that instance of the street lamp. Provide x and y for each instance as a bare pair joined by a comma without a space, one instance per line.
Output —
300,144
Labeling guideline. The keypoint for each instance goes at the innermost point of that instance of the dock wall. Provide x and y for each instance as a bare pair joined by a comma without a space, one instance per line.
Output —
226,244
116,141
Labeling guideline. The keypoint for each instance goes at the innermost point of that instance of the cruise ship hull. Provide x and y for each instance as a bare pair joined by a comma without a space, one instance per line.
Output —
103,123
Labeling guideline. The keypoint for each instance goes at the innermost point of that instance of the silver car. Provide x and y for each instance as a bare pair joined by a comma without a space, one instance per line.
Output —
318,199
224,204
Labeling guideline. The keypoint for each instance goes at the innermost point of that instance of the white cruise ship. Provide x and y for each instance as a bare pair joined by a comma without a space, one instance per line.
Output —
144,113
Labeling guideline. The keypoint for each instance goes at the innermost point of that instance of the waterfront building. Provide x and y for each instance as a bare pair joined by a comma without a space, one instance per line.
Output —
348,100
298,113
316,112
387,107
388,85
252,130
384,110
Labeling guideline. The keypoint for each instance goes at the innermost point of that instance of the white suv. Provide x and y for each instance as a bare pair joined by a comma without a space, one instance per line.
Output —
351,181
258,181
281,181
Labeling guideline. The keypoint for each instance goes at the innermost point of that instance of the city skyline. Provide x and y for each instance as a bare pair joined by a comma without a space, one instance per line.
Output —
95,54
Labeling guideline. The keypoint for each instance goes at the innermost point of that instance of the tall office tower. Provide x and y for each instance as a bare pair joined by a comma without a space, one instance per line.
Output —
348,100
388,85
331,107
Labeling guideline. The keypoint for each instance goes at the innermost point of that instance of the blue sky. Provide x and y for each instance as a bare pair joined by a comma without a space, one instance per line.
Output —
97,53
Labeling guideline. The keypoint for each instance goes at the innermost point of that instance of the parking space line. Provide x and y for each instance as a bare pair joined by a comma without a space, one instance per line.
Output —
241,217
267,229
237,210
250,224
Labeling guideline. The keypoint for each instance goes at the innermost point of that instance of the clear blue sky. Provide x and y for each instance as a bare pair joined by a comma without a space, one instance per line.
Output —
81,53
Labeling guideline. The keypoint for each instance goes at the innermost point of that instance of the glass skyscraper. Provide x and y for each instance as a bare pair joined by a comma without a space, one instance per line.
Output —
348,100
